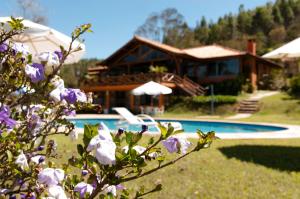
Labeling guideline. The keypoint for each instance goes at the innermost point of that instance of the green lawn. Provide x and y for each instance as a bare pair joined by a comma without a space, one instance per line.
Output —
280,108
229,169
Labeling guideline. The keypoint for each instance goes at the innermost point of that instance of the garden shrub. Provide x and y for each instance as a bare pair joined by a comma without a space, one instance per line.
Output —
229,87
295,86
34,104
218,99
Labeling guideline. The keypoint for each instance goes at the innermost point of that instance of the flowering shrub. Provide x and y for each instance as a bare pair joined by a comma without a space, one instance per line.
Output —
34,104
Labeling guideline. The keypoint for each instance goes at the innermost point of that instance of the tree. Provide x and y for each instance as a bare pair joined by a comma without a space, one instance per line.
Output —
286,11
262,20
165,26
277,36
277,15
244,21
202,31
32,9
74,74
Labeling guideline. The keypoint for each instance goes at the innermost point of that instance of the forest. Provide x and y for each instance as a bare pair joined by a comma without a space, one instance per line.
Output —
270,25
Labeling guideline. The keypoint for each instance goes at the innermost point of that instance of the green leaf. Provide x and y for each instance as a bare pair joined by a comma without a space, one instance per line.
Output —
151,141
170,130
80,149
128,138
90,131
163,130
9,155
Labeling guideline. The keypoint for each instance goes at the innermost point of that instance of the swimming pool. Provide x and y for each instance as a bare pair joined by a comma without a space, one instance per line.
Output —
190,126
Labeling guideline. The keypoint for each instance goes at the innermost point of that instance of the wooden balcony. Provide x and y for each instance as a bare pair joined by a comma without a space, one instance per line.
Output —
129,82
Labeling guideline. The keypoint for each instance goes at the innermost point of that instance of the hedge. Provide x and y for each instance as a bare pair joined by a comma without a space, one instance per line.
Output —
218,99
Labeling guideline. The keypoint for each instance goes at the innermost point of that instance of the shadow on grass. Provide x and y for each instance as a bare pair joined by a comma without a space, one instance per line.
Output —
275,157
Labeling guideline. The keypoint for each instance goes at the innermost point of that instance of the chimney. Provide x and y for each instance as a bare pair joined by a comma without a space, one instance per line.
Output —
251,46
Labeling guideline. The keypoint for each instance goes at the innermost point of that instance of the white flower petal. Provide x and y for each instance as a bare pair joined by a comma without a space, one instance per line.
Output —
57,192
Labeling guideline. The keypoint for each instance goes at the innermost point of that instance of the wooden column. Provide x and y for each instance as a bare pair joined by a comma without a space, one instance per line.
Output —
253,75
107,100
131,101
161,102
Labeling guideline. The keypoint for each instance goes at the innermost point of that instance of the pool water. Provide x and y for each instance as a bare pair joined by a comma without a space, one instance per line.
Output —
188,126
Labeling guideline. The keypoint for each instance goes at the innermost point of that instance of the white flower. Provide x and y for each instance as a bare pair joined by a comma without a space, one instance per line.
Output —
105,147
22,161
105,153
81,97
73,135
3,191
110,189
57,192
140,150
37,159
50,176
55,95
58,82
50,60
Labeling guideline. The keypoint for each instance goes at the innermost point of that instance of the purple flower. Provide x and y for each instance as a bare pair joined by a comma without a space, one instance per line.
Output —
176,144
73,95
120,187
4,117
171,144
83,188
50,176
35,72
69,112
59,55
3,47
20,48
50,60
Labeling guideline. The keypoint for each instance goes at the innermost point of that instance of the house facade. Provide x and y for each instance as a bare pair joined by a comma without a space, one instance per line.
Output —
187,70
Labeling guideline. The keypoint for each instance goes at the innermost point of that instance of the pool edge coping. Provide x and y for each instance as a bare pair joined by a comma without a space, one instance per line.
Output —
291,131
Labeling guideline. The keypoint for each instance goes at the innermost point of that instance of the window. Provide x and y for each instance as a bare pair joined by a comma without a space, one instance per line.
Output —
229,67
201,71
212,69
223,68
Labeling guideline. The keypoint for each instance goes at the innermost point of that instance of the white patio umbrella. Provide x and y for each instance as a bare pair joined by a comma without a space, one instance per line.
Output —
151,88
289,50
40,38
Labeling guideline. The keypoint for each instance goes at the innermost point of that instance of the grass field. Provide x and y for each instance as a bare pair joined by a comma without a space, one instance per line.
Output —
229,169
280,108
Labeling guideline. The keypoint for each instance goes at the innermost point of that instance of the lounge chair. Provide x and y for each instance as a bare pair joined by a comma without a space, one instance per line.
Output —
140,119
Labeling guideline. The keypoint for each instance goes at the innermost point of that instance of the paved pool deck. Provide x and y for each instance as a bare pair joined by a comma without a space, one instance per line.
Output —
292,131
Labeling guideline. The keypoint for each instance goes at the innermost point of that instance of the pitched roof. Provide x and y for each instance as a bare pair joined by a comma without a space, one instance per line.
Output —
158,45
212,51
202,52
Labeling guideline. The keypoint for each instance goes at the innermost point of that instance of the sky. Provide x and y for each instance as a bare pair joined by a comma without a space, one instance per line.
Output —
115,21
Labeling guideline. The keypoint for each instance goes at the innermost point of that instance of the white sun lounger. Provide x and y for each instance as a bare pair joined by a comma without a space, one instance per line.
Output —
140,119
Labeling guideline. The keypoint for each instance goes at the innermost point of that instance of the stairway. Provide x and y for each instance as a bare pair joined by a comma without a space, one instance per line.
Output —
248,106
186,84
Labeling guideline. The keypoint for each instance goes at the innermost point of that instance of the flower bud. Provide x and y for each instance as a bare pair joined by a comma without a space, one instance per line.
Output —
120,131
84,172
41,159
40,148
144,128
